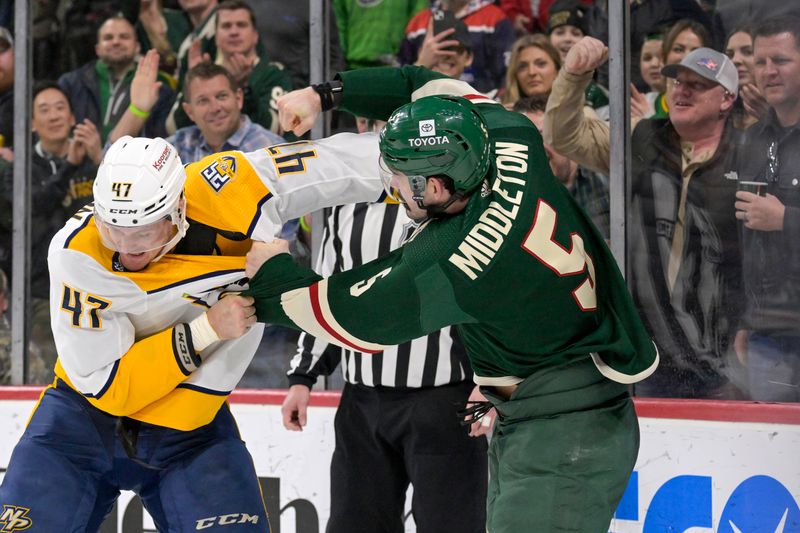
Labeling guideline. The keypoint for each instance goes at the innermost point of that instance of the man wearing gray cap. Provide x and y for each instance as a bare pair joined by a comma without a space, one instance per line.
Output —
685,266
684,252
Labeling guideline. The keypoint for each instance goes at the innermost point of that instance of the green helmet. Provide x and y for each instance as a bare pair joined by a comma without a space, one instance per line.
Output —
438,135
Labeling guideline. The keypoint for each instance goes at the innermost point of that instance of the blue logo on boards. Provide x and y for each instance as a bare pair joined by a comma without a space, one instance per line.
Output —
760,504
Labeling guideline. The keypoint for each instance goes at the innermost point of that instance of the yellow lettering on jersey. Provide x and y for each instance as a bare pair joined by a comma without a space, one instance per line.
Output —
291,158
13,518
73,302
96,305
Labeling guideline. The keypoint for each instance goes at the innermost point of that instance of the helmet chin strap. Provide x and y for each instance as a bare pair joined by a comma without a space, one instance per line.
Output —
181,225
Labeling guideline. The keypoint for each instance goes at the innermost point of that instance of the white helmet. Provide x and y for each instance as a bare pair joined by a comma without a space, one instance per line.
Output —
140,184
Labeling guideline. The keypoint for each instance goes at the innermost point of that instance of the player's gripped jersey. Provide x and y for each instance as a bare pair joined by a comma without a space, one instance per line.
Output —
255,193
113,329
522,271
352,235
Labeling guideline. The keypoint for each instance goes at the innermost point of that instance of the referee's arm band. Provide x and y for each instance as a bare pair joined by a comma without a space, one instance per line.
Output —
330,94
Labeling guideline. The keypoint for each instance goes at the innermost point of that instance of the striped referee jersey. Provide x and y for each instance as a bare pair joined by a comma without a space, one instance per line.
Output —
352,235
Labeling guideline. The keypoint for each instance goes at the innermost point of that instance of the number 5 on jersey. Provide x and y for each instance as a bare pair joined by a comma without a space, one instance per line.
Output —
75,302
540,244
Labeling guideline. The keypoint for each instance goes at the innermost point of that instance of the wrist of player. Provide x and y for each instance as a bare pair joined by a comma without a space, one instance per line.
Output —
203,333
189,341
330,94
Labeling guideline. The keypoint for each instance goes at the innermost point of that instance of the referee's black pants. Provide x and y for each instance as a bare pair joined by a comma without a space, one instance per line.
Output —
387,438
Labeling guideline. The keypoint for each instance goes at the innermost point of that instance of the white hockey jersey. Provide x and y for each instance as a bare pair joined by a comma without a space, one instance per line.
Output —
114,329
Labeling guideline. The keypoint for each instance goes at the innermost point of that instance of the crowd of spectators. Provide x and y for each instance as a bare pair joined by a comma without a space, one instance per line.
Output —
715,107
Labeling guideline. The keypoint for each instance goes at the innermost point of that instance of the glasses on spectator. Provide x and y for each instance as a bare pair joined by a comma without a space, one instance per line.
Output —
694,86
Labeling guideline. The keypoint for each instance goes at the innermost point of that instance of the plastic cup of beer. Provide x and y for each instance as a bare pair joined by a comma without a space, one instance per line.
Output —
755,187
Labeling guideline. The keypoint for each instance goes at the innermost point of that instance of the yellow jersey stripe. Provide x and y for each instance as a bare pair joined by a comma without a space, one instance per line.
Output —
147,372
170,271
183,409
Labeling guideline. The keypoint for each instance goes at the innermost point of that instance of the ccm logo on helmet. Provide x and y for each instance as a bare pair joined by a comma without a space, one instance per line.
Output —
123,211
161,159
429,141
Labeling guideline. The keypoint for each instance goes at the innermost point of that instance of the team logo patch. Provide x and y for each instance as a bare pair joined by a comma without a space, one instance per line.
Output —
731,175
708,63
427,128
408,230
485,189
14,518
220,172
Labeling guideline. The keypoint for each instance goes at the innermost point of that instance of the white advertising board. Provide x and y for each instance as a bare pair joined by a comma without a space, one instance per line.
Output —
721,475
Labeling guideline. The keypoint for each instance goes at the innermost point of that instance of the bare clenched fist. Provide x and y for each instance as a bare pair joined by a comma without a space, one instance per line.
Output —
232,316
298,110
585,55
261,252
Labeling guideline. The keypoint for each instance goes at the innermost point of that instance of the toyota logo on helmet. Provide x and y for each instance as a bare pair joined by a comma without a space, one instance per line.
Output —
438,135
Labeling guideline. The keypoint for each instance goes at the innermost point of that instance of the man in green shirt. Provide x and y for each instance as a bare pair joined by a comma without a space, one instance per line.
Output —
506,255
370,32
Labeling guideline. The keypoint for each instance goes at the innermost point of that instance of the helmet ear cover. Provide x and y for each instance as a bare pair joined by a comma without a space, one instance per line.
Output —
417,184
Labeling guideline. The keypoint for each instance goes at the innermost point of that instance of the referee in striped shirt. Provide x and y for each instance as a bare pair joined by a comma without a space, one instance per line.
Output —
396,423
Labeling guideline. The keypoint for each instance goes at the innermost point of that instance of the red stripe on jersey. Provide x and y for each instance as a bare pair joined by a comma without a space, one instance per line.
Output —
478,99
313,293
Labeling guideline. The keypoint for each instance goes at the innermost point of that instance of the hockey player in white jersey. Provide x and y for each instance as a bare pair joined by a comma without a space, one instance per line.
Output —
149,348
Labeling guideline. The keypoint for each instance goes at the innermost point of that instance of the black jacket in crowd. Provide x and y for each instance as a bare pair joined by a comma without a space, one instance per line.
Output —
58,190
694,324
771,259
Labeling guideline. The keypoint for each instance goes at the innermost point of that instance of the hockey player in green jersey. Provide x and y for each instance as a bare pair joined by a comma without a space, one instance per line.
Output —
507,256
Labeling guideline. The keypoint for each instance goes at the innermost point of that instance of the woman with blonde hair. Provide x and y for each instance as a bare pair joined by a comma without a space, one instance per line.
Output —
533,66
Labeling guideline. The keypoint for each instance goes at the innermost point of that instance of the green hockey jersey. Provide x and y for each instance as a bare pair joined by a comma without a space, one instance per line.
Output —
522,271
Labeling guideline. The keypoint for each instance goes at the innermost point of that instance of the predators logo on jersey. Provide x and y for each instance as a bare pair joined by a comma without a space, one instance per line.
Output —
220,172
14,518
